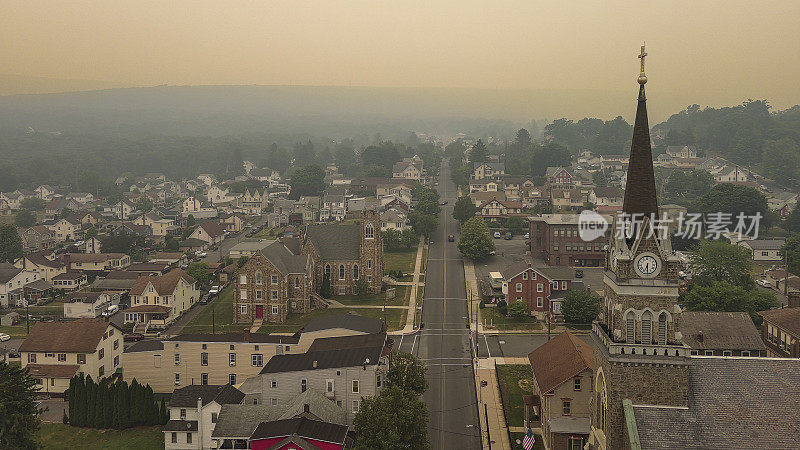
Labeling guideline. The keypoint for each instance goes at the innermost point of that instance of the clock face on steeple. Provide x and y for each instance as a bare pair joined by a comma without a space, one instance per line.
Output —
647,265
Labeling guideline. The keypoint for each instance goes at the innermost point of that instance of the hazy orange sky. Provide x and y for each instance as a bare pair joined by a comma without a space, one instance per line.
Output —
707,52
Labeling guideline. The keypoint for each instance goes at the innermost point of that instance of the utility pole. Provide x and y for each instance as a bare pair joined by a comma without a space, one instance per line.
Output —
213,321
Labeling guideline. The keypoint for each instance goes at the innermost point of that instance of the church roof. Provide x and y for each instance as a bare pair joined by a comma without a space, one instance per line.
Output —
640,189
720,331
336,241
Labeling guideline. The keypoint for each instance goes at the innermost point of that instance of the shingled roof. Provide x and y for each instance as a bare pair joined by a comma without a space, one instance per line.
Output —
164,284
349,321
80,336
788,319
283,259
560,359
335,241
222,394
325,359
721,330
301,427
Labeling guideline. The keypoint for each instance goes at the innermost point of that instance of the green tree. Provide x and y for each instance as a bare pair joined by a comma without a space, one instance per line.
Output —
519,150
91,397
423,224
580,306
478,153
719,261
407,373
475,242
392,240
198,271
90,232
780,160
32,204
464,209
517,309
24,219
307,180
455,152
190,221
392,421
19,418
792,222
792,246
171,244
515,224
163,412
144,204
688,184
325,287
548,155
10,243
723,296
733,199
460,175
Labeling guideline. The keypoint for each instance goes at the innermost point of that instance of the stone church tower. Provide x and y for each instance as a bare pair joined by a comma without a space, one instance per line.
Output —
372,249
639,354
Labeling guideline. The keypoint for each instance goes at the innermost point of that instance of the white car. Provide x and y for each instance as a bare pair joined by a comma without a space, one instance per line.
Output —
527,235
497,235
4,337
214,290
110,311
764,283
201,254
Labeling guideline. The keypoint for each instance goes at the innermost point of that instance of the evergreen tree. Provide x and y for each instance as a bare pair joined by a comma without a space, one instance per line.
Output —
108,406
163,412
117,390
135,406
100,393
126,406
79,414
478,153
91,392
71,395
325,289
152,408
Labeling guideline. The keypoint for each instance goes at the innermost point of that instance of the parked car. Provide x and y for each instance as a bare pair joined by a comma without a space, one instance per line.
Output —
205,298
527,235
4,337
110,311
214,290
497,235
578,273
451,238
443,202
764,283
508,236
201,254
132,337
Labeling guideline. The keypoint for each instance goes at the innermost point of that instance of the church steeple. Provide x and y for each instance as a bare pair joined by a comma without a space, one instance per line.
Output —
640,189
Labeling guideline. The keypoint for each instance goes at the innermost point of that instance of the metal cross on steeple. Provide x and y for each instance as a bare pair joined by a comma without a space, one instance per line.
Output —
642,76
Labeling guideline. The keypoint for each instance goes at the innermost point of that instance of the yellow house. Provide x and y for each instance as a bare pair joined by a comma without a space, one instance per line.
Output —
158,300
64,230
53,352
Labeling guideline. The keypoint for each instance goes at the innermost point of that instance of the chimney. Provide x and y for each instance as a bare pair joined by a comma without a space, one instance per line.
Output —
314,364
700,336
306,408
246,334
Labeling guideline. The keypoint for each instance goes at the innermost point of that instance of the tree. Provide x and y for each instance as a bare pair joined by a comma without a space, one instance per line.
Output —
733,199
391,421
190,221
580,306
792,246
242,261
24,219
19,418
32,204
325,288
688,184
10,243
423,224
90,232
307,180
792,222
518,310
519,151
515,224
720,261
144,204
91,397
277,158
478,153
198,271
475,242
163,413
392,240
549,155
464,209
724,296
171,244
407,373
460,175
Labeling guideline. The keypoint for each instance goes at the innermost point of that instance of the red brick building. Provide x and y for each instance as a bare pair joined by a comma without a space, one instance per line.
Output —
542,288
555,239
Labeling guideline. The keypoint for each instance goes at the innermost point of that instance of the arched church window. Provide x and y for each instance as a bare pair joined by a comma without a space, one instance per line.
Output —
341,271
328,270
259,277
647,328
662,328
355,271
369,231
630,327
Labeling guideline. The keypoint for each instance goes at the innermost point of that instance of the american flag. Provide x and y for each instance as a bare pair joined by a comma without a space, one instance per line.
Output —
529,440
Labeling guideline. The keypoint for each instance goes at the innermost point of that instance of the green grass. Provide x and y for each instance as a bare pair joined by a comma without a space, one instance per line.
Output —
59,436
266,233
400,298
403,261
491,316
50,309
222,310
538,445
15,331
395,318
508,377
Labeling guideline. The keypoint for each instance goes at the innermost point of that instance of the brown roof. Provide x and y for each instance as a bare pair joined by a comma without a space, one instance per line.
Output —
148,309
721,330
559,360
164,284
93,257
52,370
788,319
80,336
71,275
214,229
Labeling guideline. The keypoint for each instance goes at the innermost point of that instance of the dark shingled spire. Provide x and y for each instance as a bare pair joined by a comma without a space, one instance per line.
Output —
640,189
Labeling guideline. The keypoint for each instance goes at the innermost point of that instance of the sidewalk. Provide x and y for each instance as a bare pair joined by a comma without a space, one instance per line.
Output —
415,285
489,396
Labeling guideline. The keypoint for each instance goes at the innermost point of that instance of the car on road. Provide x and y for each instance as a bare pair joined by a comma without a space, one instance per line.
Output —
4,337
201,254
497,235
764,283
443,202
451,238
132,337
527,235
508,236
205,298
110,311
214,290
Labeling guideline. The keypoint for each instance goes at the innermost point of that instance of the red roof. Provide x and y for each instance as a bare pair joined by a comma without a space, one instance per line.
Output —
559,360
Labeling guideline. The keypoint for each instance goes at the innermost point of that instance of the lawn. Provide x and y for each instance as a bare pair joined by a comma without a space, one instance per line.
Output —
490,316
403,261
15,331
266,233
55,436
539,445
222,310
508,377
396,318
401,294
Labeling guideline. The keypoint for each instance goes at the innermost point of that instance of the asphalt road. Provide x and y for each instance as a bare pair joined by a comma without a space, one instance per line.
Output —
444,342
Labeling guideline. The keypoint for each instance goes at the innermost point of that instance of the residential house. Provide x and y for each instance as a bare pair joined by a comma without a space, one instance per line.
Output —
394,219
92,245
563,385
614,162
346,369
479,198
333,208
43,263
233,223
171,258
559,177
12,281
534,196
555,238
207,179
156,301
408,169
123,210
86,218
119,281
37,290
69,280
542,288
87,304
514,187
37,237
95,262
131,228
80,197
299,432
192,207
499,209
682,151
54,352
399,190
565,200
193,410
606,200
721,334
45,192
485,185
493,170
210,232
729,174
65,230
780,332
217,195
764,249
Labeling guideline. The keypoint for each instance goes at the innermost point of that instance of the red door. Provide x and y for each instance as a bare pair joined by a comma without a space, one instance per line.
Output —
259,312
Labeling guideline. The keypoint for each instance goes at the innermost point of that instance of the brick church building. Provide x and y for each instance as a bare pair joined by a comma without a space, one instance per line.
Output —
285,277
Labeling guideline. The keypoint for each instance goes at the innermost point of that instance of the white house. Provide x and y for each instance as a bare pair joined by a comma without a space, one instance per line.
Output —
12,280
764,249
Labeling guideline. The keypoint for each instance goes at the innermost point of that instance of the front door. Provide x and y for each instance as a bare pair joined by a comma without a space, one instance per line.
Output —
259,312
